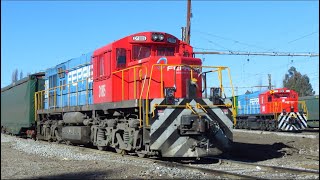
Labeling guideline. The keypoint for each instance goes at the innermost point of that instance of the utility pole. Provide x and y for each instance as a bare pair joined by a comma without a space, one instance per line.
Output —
183,34
269,79
187,30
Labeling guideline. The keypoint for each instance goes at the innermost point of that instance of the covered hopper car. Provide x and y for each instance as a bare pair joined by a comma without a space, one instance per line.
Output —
277,109
312,104
17,105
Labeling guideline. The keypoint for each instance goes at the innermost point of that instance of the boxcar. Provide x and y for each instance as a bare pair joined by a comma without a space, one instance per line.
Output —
17,104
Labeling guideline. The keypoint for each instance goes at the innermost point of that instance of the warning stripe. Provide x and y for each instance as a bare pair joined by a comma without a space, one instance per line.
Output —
164,133
163,127
285,125
303,119
215,117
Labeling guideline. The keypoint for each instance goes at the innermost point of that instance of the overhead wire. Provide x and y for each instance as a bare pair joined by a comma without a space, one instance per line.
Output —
252,45
303,37
233,40
247,44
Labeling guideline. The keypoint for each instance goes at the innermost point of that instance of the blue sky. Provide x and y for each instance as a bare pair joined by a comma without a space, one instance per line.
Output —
36,35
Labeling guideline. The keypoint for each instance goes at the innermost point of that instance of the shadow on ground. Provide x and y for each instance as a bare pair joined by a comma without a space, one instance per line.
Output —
244,152
80,175
258,152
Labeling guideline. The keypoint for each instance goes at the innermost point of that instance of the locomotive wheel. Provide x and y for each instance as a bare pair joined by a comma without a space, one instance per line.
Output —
120,151
102,148
141,155
68,143
59,139
247,126
267,127
263,126
273,126
239,124
270,125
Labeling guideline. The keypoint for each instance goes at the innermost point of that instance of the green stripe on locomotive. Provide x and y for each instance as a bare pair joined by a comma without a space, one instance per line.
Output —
17,103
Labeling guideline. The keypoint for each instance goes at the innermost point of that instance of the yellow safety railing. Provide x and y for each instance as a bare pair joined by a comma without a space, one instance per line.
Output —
39,100
122,71
39,96
302,105
218,69
140,67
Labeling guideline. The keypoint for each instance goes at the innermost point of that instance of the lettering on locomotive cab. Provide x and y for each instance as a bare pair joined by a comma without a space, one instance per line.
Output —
139,38
254,101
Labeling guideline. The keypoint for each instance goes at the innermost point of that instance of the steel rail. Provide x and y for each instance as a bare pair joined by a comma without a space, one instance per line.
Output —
216,172
268,168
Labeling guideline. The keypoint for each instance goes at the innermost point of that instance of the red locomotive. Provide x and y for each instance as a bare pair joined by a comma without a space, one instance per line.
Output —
277,109
141,94
278,101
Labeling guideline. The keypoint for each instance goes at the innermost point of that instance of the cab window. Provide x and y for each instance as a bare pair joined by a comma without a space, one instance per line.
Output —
165,51
121,57
140,52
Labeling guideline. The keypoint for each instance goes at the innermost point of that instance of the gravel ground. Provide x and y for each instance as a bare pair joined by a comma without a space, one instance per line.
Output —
21,158
279,150
25,159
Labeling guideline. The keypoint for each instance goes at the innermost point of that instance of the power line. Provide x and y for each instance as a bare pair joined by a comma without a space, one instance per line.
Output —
302,37
233,40
259,53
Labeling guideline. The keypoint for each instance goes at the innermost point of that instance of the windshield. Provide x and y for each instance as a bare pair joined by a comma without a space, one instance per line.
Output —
140,52
165,51
281,95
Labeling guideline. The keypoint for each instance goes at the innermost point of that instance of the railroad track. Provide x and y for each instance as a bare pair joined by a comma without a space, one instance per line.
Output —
216,167
315,130
303,134
260,171
226,168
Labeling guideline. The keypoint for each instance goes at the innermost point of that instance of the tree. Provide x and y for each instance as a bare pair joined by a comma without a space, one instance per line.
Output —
300,83
21,74
14,77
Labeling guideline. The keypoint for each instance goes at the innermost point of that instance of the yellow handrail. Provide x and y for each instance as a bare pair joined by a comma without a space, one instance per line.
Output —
304,108
39,95
219,69
39,101
35,106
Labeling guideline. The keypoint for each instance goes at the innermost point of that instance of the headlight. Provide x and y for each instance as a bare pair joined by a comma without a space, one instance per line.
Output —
161,37
155,37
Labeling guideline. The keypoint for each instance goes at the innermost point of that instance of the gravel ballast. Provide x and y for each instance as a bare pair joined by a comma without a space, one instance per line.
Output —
26,158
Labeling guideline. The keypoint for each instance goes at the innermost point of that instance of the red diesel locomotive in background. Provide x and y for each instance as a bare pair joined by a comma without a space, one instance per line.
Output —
277,109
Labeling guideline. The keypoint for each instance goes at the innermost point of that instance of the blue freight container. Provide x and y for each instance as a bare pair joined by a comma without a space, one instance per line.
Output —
248,104
66,84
